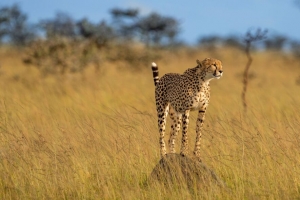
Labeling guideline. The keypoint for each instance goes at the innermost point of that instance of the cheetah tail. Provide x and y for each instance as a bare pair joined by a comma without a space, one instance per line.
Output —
155,73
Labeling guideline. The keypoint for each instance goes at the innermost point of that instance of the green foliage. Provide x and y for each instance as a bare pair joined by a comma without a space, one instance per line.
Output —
212,42
62,55
61,26
127,25
101,33
155,27
14,26
277,42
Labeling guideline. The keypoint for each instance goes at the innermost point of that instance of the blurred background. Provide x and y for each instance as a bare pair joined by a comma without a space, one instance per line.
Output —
95,25
77,108
187,24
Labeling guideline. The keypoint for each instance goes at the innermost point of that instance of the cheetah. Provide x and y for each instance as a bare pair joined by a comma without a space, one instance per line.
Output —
177,95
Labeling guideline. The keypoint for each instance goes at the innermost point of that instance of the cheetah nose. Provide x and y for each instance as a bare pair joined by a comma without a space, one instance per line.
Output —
221,71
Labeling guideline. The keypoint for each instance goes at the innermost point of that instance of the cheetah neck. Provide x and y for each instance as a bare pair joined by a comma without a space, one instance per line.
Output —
204,83
202,79
193,73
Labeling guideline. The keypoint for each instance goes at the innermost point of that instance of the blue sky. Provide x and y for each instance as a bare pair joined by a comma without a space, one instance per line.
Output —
198,17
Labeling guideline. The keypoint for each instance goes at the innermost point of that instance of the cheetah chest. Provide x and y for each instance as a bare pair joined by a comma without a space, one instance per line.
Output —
199,101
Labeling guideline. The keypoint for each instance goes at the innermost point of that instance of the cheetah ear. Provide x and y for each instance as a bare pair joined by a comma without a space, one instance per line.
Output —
198,62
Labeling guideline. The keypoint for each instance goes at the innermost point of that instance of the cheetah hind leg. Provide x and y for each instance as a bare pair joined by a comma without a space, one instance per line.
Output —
162,119
176,119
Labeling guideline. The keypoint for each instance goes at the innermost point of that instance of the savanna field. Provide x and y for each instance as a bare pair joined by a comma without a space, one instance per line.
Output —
94,135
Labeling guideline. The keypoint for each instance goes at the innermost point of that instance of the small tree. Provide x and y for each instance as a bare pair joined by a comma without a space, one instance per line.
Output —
249,39
277,42
14,27
101,33
151,29
233,41
154,28
62,25
210,42
124,20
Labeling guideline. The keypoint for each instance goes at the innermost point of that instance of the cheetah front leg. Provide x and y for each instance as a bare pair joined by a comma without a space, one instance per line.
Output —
199,125
175,127
184,141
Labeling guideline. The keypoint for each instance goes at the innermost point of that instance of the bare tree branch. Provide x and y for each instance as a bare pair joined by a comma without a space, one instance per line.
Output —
249,39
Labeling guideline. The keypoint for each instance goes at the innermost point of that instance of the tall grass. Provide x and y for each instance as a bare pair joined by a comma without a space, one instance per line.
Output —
96,137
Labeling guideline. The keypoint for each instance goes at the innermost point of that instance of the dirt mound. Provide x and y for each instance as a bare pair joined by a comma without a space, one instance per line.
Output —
175,169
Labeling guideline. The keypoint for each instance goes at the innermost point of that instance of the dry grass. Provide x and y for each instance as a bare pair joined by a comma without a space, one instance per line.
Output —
96,137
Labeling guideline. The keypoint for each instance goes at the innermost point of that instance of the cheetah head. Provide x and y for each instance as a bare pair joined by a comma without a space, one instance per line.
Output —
211,68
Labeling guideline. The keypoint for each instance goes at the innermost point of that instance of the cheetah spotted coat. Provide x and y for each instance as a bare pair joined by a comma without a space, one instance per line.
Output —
177,95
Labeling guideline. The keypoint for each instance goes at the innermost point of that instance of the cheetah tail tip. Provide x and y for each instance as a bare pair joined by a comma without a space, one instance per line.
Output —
154,64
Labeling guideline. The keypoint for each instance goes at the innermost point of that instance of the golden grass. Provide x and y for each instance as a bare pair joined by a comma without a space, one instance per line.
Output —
96,137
